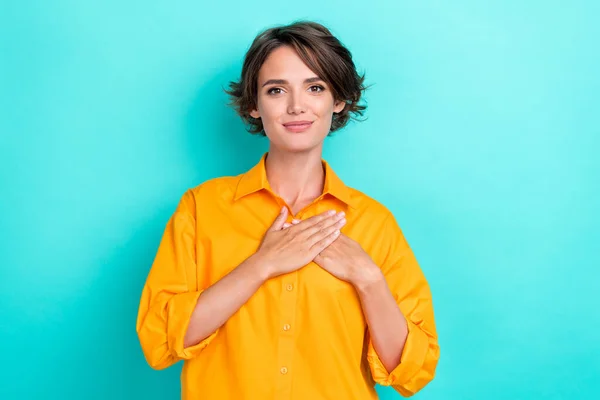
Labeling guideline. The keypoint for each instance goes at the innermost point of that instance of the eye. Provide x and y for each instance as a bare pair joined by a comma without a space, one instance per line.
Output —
319,87
270,91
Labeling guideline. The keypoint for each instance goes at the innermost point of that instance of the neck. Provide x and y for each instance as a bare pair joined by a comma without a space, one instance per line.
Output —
295,177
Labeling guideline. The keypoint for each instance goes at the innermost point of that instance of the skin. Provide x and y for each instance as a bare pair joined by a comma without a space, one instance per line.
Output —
295,173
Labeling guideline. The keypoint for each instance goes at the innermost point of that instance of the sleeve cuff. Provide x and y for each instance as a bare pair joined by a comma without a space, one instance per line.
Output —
411,361
180,310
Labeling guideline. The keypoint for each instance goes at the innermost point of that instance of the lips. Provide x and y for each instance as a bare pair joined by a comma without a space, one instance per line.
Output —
297,123
297,126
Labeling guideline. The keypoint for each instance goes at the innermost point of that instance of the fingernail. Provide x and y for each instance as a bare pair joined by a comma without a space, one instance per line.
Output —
341,213
331,212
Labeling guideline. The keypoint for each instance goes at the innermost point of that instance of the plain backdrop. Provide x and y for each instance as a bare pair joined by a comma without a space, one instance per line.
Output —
482,137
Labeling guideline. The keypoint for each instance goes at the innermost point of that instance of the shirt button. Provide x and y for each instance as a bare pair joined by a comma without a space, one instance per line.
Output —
286,327
283,370
289,287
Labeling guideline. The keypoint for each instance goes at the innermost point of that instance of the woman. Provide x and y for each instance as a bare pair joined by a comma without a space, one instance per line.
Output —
283,282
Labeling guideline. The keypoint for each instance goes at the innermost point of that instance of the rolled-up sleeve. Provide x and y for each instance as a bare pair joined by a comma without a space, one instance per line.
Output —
411,291
170,294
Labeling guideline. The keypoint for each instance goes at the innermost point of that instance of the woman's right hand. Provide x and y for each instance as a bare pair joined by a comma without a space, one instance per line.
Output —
286,250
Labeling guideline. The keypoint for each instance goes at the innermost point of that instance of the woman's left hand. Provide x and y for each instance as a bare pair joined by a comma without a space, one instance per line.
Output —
346,260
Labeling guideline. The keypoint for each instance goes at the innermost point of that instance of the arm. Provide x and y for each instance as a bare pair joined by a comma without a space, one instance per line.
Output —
174,321
387,326
403,349
221,300
169,295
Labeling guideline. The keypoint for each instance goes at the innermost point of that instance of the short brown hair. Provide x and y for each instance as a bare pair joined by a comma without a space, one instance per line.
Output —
321,52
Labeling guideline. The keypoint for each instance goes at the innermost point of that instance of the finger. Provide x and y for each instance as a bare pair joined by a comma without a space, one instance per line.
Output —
325,242
325,232
317,218
318,259
286,225
295,221
319,226
280,220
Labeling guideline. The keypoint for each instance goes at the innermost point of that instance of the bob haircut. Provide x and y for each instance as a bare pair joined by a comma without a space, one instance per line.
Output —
323,53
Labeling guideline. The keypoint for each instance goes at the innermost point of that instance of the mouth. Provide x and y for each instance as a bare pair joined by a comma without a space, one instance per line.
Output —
298,127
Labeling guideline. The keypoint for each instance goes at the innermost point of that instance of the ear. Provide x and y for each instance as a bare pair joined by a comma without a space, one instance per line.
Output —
254,114
339,106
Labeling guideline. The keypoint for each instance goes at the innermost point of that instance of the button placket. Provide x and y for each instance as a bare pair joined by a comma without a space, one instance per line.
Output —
285,349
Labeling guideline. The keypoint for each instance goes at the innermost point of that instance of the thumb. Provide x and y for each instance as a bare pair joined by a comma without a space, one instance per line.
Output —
280,220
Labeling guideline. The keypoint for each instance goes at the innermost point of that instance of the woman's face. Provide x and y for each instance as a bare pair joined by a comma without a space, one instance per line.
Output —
289,92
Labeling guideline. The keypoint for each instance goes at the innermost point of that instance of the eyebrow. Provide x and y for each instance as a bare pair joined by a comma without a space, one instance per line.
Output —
284,82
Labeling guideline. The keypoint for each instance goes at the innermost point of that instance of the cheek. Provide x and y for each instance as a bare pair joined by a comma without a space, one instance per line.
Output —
322,107
271,110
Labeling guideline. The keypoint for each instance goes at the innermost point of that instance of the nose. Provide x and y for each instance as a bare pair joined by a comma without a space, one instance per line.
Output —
296,103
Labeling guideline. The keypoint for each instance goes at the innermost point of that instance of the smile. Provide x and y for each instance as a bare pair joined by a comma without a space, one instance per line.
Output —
298,127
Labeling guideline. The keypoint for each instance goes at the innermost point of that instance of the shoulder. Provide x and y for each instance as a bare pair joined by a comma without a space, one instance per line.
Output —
216,188
368,205
380,218
210,192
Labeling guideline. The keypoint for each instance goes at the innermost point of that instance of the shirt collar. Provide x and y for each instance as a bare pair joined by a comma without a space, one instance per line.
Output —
255,179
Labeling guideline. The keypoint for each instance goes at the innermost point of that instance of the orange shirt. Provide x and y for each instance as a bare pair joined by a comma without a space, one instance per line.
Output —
302,335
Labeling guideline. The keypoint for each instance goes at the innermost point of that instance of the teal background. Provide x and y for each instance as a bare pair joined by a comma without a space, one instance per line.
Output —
482,137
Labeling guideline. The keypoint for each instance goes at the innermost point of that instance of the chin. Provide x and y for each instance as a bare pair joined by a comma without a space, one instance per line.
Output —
299,144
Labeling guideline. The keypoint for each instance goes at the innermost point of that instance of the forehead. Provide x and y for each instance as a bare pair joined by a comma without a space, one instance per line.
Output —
284,63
